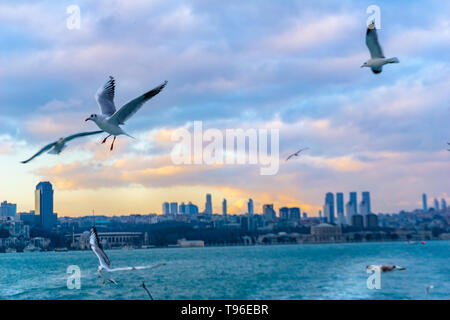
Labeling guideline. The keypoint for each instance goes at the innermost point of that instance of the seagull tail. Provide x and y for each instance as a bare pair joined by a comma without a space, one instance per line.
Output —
393,60
129,136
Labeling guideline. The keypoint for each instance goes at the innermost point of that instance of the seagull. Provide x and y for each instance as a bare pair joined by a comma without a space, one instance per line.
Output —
296,154
105,264
377,60
110,120
146,290
449,145
59,145
384,268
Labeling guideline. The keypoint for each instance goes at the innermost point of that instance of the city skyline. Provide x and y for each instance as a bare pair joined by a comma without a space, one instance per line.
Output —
387,134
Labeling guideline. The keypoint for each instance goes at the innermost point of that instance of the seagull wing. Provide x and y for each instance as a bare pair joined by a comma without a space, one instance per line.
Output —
137,268
105,97
46,148
124,113
82,134
372,42
98,250
292,155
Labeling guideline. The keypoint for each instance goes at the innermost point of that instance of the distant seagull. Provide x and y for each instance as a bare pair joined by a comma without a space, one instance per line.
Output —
385,268
429,288
146,290
296,154
377,60
110,119
105,264
59,145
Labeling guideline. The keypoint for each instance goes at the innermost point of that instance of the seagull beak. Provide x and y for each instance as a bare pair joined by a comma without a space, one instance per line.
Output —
88,119
362,66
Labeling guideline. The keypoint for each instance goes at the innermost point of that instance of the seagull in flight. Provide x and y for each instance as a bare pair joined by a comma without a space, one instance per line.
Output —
110,120
296,154
59,145
105,264
384,268
377,60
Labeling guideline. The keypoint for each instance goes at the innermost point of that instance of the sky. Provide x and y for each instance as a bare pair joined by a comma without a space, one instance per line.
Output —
290,65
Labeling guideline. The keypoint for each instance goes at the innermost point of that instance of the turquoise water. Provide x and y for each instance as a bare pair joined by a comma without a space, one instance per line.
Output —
329,271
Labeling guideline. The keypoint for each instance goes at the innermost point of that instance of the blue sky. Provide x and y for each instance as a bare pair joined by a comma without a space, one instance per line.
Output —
291,65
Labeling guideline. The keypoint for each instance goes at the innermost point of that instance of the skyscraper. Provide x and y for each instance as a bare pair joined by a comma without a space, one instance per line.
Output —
250,207
268,212
173,208
424,202
191,209
182,208
350,210
44,205
166,208
366,199
208,205
284,213
436,204
443,204
340,207
354,201
329,207
294,213
224,207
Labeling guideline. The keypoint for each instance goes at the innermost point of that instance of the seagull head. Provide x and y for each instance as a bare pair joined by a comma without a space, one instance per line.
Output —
365,65
91,117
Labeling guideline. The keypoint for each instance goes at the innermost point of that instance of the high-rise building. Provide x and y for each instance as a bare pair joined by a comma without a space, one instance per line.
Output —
224,207
44,205
358,221
294,213
320,214
208,205
340,207
366,199
350,210
329,207
424,202
182,208
436,204
284,213
166,208
443,204
305,215
174,208
191,209
364,208
250,207
354,201
269,212
8,209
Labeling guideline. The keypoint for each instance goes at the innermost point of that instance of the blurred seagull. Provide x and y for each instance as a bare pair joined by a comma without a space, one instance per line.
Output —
296,154
449,145
377,60
105,264
110,119
58,146
384,268
429,288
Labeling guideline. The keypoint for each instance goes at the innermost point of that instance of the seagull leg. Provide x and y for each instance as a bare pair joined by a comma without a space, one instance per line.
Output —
104,140
112,144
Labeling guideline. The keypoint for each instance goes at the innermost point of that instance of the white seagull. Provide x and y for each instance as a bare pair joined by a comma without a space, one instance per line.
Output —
110,119
105,264
296,154
377,60
59,145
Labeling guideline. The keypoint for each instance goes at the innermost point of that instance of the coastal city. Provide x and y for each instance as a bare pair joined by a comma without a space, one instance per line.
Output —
185,225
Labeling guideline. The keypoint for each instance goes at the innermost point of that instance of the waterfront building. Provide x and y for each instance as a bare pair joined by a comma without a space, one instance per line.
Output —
371,221
325,232
174,208
358,221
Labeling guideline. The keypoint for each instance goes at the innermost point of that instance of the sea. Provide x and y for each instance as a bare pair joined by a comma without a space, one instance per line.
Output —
280,272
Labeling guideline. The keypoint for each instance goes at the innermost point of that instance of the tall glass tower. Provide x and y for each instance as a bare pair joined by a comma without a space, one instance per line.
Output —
44,204
208,204
366,200
424,202
354,201
329,207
